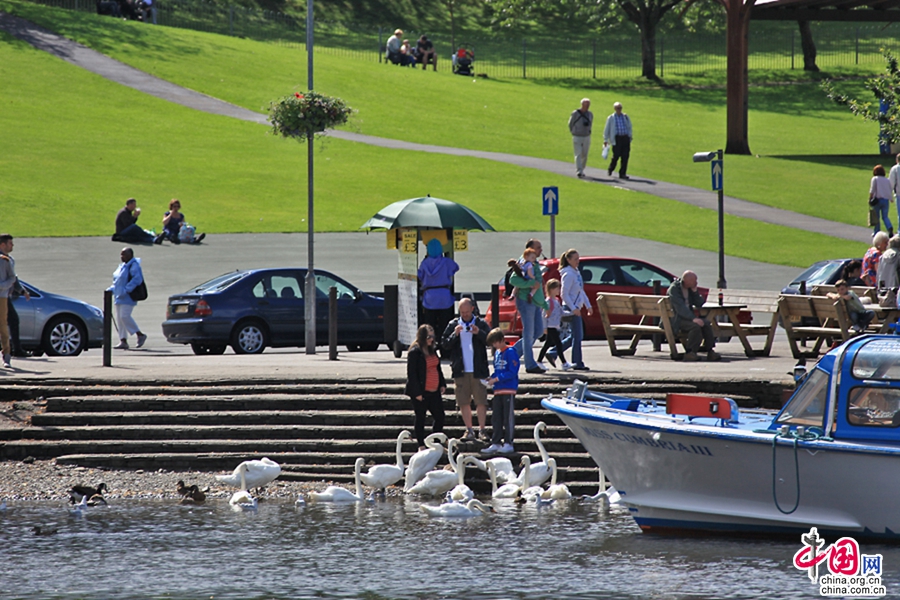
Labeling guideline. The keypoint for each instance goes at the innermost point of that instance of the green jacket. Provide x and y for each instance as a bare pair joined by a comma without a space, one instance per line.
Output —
523,287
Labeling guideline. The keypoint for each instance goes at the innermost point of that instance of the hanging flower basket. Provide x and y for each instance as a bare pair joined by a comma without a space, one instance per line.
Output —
302,116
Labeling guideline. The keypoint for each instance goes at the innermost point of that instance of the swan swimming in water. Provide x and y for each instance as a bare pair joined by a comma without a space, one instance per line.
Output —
472,508
555,491
252,474
242,500
503,468
539,472
336,493
604,496
381,476
424,461
439,481
462,492
529,492
507,490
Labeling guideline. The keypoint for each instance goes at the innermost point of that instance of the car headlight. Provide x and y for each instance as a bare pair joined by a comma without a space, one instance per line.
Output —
97,312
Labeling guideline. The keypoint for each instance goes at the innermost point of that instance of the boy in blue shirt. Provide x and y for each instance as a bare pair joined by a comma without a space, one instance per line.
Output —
505,382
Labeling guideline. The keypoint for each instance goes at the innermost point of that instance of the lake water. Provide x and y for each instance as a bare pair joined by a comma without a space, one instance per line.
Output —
387,549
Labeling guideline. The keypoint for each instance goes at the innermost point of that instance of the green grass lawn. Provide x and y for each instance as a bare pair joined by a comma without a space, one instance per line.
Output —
81,145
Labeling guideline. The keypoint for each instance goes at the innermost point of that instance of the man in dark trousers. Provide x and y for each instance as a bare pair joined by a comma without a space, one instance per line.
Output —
127,229
685,298
618,133
465,340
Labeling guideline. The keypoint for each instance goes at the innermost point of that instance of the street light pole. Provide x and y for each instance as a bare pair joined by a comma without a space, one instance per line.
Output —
309,303
718,183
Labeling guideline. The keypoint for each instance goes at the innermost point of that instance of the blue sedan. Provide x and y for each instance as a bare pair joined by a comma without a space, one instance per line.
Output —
57,325
259,308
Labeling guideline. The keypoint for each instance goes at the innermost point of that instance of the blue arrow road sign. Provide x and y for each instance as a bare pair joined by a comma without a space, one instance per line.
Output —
550,200
717,175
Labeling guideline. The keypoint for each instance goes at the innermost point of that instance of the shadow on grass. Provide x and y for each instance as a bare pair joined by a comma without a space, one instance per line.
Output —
863,162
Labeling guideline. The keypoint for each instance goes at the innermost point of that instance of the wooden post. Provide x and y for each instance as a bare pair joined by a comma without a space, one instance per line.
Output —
332,323
495,306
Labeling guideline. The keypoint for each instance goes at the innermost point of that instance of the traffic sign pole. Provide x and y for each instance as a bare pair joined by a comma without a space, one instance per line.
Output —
550,204
717,165
552,235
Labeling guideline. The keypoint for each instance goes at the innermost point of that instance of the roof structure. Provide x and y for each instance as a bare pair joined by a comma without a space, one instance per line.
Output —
886,11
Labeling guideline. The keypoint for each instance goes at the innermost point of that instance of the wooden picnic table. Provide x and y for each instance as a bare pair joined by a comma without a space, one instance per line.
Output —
735,327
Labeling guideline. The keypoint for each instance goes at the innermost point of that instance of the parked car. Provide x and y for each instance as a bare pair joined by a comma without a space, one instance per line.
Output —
824,272
601,274
57,325
259,308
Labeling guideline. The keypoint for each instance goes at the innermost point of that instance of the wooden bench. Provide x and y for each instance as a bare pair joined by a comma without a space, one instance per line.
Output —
834,322
755,301
648,308
861,292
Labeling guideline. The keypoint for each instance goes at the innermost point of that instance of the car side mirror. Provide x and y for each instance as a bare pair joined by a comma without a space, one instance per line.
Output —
358,296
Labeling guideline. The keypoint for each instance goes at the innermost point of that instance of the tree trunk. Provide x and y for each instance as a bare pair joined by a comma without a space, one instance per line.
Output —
808,45
736,77
648,48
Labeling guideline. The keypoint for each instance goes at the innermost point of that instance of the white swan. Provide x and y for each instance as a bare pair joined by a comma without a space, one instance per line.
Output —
381,476
252,474
555,491
424,461
503,468
507,490
462,492
604,496
336,493
529,492
242,500
439,481
472,508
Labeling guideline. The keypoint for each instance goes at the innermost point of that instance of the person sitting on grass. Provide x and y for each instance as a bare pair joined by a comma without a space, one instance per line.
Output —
859,315
172,222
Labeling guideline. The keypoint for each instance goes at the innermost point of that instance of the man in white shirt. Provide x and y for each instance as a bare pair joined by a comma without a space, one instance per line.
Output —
465,340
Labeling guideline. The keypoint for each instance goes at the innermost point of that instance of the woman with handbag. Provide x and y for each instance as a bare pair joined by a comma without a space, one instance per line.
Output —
880,198
128,286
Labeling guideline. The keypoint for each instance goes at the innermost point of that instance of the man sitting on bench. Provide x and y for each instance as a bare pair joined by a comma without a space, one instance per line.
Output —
684,298
425,52
392,53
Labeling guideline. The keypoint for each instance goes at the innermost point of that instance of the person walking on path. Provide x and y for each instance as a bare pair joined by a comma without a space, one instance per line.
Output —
505,381
529,306
880,198
580,122
685,299
575,301
425,382
126,278
894,178
127,229
436,281
618,133
465,341
7,282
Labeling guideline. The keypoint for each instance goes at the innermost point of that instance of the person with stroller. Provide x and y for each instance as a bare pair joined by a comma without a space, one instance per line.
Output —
172,222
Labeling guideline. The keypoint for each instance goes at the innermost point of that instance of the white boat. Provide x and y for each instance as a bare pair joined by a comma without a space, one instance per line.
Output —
698,463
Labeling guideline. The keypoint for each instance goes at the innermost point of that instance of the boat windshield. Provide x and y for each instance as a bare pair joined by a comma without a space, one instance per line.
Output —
807,407
879,359
874,407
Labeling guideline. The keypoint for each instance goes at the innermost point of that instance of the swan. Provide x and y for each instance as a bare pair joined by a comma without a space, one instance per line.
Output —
472,508
424,461
604,496
301,501
462,492
555,491
436,483
381,476
252,474
529,492
242,500
507,490
336,493
503,468
79,491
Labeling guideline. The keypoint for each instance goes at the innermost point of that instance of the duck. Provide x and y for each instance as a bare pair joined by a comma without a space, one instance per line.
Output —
97,500
425,460
507,490
336,493
190,494
252,474
462,492
241,500
555,491
381,476
472,508
439,481
503,468
79,491
42,530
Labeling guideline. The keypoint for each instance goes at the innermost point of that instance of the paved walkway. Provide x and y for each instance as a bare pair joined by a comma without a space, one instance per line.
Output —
113,70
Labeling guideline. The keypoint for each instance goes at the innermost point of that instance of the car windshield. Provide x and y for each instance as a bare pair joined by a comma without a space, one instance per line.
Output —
639,274
819,273
219,283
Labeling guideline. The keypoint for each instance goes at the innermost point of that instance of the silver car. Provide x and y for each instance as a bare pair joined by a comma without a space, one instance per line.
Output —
57,325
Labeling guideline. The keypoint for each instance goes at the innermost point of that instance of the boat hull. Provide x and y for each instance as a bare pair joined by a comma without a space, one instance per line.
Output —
677,476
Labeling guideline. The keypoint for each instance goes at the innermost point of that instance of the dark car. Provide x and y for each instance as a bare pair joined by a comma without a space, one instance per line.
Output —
57,325
255,309
824,272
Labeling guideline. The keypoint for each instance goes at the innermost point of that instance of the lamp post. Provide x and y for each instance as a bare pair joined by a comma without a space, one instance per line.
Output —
310,301
717,172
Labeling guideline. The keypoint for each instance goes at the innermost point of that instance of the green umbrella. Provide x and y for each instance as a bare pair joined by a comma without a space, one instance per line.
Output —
427,212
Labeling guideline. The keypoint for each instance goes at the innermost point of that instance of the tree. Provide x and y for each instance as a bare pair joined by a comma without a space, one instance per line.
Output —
808,45
647,14
886,89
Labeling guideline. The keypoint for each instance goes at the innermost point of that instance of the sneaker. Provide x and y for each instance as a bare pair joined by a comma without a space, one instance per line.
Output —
625,177
567,366
469,437
542,365
535,370
484,436
580,175
199,238
713,356
690,357
492,449
123,345
159,239
506,449
609,172
6,364
580,368
141,339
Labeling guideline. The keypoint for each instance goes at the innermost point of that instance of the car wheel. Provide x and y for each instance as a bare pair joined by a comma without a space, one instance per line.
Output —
371,347
208,349
64,336
248,337
353,348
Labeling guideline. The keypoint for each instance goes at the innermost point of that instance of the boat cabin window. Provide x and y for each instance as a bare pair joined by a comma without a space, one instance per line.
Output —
807,407
879,359
874,407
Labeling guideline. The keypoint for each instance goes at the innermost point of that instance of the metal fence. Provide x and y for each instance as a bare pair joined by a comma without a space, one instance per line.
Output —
617,54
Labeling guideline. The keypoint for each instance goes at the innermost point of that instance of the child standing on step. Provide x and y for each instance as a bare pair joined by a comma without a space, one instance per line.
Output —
505,382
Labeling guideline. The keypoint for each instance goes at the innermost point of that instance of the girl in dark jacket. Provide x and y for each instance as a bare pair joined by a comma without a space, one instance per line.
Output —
425,382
